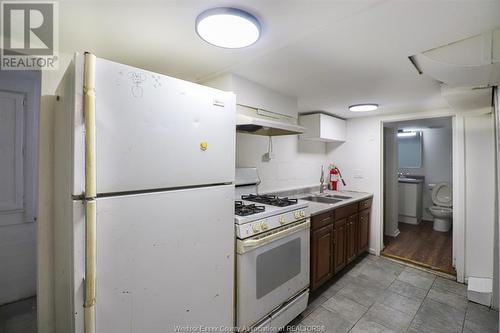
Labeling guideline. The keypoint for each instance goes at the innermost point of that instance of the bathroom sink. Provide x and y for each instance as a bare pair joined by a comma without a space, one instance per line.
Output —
322,199
336,196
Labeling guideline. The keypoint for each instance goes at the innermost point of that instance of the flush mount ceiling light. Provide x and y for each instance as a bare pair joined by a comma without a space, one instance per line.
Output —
406,133
363,107
226,27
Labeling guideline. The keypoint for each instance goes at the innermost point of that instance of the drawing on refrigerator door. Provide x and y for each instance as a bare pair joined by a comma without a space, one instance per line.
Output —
156,80
137,79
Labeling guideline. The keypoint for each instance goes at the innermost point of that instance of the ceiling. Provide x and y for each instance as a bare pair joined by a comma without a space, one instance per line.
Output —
327,53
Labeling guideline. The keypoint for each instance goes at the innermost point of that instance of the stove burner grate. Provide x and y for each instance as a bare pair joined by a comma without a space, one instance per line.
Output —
270,200
244,210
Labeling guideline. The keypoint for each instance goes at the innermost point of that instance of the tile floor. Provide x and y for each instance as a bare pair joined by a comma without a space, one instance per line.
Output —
375,295
18,317
380,295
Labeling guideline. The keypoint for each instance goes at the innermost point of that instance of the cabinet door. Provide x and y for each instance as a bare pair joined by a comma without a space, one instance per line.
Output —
352,237
321,256
339,239
363,230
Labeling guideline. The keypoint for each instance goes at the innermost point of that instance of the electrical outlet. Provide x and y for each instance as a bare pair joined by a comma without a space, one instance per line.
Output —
358,174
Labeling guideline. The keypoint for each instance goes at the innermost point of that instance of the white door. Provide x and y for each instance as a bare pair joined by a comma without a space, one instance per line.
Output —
165,259
11,158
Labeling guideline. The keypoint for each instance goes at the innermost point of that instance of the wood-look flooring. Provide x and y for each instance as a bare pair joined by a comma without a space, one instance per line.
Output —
422,245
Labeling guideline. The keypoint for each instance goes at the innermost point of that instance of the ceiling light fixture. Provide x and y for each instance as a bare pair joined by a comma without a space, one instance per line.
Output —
363,107
226,27
406,133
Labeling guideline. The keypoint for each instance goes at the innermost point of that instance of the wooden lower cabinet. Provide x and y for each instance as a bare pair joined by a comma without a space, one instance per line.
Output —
321,255
364,231
339,247
337,238
352,237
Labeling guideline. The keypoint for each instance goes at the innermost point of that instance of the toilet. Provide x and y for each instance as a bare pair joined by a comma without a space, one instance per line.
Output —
442,197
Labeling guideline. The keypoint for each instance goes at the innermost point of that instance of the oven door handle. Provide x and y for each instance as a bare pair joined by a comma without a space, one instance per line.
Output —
249,244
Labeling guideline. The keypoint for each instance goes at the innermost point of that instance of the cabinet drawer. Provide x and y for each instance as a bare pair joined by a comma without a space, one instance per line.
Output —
365,204
345,211
321,220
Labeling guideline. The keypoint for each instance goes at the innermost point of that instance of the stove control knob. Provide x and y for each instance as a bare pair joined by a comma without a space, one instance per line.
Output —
302,213
297,215
255,227
263,225
282,220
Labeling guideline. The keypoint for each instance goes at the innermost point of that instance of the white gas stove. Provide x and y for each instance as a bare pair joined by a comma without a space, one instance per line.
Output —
272,256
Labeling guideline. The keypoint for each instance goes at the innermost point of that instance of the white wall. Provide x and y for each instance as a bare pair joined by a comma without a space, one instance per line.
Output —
480,195
359,160
18,237
437,162
296,164
45,222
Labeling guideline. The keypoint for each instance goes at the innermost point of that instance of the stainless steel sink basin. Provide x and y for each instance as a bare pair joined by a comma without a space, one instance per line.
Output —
342,197
322,199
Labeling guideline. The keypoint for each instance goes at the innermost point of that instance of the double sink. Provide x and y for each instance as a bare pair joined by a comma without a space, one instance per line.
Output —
328,199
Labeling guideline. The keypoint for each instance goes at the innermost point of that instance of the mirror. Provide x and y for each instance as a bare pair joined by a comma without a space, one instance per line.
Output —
409,149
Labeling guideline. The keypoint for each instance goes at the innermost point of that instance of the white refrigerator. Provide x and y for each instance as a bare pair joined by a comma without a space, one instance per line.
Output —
158,153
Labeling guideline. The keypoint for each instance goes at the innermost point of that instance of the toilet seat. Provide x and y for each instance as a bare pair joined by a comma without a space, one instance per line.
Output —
441,209
442,195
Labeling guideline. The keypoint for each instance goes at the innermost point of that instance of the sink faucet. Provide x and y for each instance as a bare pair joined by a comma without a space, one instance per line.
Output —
403,173
322,185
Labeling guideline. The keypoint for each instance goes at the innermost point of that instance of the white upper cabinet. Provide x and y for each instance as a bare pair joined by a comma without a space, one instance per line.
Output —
322,127
254,95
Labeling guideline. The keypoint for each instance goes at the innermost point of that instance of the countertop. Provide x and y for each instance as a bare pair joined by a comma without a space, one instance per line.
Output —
411,179
319,207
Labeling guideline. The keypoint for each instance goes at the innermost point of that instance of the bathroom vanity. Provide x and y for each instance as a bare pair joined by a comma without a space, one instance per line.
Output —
410,199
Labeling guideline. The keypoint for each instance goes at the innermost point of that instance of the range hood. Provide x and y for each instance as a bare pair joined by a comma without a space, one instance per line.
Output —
259,110
261,122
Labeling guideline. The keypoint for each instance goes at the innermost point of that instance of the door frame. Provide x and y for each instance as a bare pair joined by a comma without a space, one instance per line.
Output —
458,169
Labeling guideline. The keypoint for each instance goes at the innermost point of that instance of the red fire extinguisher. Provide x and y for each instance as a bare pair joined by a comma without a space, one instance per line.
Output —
334,177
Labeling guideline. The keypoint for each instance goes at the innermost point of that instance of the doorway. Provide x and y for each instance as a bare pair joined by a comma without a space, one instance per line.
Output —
19,111
418,193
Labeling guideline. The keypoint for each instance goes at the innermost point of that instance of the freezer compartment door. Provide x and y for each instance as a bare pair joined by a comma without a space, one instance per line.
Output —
155,131
165,261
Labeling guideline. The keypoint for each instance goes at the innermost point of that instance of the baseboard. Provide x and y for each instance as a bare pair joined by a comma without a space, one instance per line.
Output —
394,234
408,220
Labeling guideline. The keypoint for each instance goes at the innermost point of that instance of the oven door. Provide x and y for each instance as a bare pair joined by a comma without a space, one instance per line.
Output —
271,268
